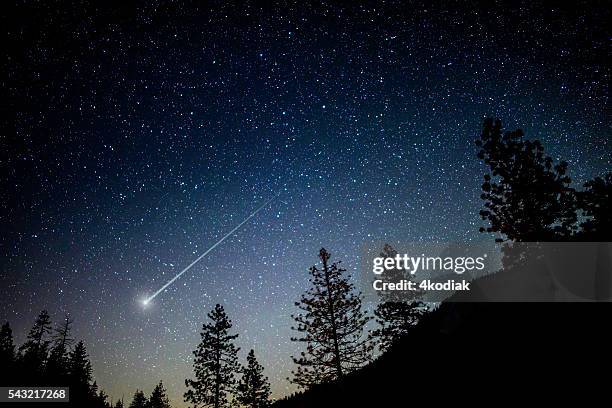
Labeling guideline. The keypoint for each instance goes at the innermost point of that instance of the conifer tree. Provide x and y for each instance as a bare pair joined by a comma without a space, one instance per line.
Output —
38,364
79,376
93,391
57,366
526,197
398,311
158,398
102,400
139,400
119,404
396,275
97,399
253,388
331,324
35,350
395,320
7,353
7,346
215,364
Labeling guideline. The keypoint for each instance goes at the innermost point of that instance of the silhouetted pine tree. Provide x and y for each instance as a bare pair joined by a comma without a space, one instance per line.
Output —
57,365
33,353
596,203
253,388
119,404
97,399
395,320
526,197
7,354
332,324
398,311
396,275
38,364
216,363
158,398
139,400
79,375
101,400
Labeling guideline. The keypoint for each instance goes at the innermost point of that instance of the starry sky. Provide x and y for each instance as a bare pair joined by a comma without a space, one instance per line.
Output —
136,136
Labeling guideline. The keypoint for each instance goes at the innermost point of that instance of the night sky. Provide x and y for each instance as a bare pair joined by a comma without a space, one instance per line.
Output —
134,138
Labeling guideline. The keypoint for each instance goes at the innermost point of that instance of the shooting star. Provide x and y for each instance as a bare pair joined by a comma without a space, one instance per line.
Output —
145,302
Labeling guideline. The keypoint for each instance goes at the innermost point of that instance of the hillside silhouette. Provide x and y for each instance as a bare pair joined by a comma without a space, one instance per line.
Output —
470,350
476,351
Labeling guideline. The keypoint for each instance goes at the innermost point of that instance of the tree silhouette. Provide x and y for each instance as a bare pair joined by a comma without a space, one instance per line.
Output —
101,400
97,399
119,404
253,388
33,353
332,323
57,365
139,400
7,347
48,360
395,320
596,203
215,364
7,353
79,374
396,275
398,311
526,197
158,398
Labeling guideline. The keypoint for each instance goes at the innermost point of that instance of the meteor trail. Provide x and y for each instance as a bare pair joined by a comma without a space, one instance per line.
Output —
146,301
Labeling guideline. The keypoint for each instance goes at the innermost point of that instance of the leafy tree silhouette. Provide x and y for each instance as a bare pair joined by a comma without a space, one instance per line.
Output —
215,364
7,353
526,197
596,203
398,311
139,400
253,388
332,324
158,398
119,404
33,353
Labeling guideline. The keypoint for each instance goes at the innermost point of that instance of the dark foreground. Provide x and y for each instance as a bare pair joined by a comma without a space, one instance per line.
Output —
493,353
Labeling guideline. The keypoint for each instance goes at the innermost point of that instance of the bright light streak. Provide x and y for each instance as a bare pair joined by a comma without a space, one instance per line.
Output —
146,301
